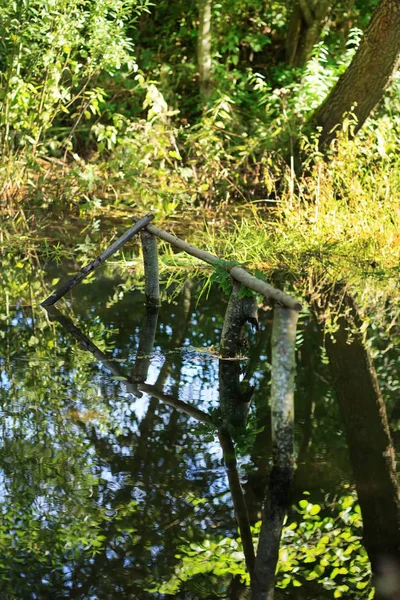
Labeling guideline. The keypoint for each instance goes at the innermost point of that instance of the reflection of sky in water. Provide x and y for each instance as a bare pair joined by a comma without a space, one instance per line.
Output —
4,381
198,386
161,468
113,413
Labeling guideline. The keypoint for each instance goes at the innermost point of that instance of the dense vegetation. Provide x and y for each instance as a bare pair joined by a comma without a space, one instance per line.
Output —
216,116
120,106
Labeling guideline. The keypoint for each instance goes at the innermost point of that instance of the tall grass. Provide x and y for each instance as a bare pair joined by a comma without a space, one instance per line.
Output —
341,220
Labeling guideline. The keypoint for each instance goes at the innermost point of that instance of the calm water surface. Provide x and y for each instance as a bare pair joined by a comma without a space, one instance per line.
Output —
107,495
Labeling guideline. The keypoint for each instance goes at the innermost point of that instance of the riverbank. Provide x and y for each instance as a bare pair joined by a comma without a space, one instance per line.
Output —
337,223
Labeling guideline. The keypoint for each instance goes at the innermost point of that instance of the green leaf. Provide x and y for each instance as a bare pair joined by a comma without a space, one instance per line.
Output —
315,509
33,341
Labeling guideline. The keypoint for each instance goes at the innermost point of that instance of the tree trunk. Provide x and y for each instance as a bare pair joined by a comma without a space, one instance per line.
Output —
204,46
361,87
370,445
305,26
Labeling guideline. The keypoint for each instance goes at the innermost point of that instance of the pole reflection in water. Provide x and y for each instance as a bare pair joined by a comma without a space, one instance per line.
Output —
262,567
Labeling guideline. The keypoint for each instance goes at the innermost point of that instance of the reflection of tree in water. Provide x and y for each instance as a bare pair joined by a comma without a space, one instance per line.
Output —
238,312
364,417
126,492
155,468
124,501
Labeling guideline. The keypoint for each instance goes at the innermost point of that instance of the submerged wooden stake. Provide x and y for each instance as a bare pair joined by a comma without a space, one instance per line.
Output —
150,260
239,273
282,385
146,343
239,500
280,478
234,390
84,272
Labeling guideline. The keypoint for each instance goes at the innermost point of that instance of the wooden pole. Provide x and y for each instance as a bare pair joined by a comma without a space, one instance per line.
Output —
84,272
239,501
146,343
151,277
238,273
234,391
282,385
280,478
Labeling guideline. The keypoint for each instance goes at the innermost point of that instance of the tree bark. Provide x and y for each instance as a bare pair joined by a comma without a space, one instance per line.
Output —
204,46
151,276
361,87
305,26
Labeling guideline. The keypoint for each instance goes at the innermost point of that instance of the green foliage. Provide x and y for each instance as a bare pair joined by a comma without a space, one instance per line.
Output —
222,277
340,221
327,549
112,85
101,112
51,57
321,544
222,559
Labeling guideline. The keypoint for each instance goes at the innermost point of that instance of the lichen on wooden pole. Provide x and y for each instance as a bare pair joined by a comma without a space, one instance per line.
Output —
282,385
282,421
151,277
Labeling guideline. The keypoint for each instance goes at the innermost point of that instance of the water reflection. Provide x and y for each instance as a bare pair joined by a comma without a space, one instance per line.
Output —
106,494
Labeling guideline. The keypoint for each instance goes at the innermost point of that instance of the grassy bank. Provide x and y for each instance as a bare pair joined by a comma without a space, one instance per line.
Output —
338,222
